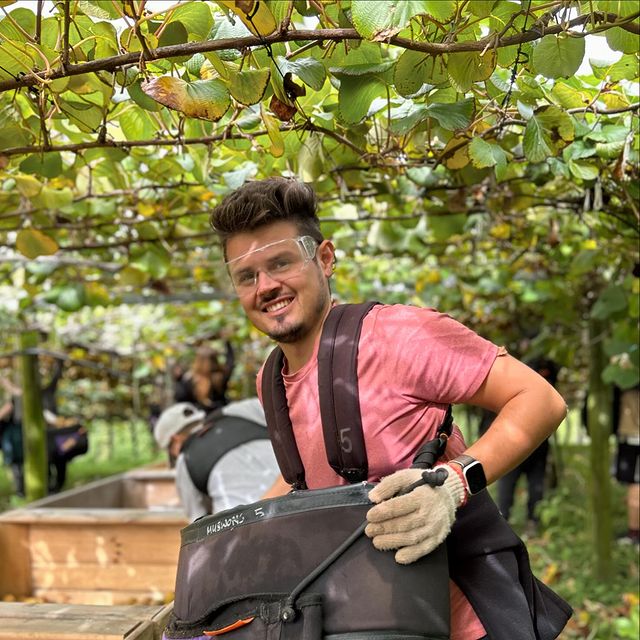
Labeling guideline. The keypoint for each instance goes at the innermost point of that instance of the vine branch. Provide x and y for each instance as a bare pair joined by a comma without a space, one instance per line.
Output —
604,21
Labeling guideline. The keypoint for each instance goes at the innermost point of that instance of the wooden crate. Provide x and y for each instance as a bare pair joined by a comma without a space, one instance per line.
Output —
20,621
82,547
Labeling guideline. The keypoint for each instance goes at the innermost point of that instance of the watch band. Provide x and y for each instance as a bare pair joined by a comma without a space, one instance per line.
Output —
472,471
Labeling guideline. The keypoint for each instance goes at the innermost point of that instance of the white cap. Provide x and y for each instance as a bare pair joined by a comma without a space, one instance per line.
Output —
175,419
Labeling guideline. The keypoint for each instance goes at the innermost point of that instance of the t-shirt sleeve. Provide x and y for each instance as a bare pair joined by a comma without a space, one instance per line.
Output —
437,358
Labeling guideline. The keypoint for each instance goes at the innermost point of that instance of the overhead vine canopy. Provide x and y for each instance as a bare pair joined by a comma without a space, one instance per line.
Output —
444,132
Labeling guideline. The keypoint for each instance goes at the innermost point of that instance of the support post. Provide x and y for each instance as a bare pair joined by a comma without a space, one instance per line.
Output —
34,433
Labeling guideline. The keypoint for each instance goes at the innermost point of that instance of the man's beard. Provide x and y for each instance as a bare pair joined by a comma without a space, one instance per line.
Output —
289,333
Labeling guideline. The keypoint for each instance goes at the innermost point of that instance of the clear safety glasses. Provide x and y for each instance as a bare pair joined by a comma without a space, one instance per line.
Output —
279,260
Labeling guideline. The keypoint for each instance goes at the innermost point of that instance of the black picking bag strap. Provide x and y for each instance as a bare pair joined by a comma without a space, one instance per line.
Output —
338,390
276,409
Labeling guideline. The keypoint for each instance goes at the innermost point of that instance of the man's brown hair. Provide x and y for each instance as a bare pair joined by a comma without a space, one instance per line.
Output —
262,202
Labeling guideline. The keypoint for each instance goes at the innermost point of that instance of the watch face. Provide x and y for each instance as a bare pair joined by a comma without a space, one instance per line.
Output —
474,473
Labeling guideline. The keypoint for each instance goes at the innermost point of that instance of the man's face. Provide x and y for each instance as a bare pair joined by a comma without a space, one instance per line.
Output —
288,309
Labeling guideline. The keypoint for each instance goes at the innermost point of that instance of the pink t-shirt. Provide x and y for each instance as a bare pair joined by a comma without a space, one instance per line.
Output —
412,363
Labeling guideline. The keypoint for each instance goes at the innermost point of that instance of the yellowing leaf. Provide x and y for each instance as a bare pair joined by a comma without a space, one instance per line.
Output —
254,14
501,231
33,243
550,573
273,130
145,209
456,153
204,99
130,276
28,186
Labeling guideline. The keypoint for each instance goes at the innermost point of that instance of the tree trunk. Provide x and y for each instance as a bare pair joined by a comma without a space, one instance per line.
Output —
34,433
599,422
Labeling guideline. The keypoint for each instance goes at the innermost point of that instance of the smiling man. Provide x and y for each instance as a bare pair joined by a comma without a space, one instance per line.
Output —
412,363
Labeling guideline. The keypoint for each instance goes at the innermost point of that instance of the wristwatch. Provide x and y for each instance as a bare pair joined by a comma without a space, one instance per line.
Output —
473,473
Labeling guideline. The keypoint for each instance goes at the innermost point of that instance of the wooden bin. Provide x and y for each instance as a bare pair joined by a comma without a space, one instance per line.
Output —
19,621
110,542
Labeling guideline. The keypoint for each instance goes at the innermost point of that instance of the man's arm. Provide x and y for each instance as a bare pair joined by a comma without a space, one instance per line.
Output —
528,411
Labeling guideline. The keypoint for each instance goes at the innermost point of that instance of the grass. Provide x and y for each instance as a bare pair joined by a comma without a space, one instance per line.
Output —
562,555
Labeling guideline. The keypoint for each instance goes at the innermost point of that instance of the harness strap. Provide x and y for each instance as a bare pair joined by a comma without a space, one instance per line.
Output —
338,376
276,409
222,433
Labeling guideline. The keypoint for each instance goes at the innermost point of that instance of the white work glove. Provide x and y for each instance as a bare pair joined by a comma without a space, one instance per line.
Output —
417,522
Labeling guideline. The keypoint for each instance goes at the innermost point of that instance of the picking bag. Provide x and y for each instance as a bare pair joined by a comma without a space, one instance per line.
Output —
265,571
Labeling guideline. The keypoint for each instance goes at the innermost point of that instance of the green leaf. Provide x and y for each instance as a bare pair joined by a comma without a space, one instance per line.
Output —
413,69
558,56
610,150
385,235
445,226
612,300
49,198
248,87
225,29
583,170
71,297
196,18
24,18
535,142
174,33
485,154
136,124
48,165
470,66
33,243
380,19
155,261
99,9
311,71
356,95
440,10
481,8
620,40
624,69
13,135
625,378
362,69
452,116
310,158
546,132
86,117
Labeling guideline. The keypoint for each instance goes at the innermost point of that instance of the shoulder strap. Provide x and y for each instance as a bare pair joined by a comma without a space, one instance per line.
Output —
204,448
276,410
339,403
338,390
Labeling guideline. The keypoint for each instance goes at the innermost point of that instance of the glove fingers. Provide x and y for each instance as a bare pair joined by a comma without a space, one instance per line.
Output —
397,540
389,486
400,524
417,500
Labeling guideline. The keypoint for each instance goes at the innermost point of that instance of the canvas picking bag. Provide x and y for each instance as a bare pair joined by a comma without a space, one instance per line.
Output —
260,572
